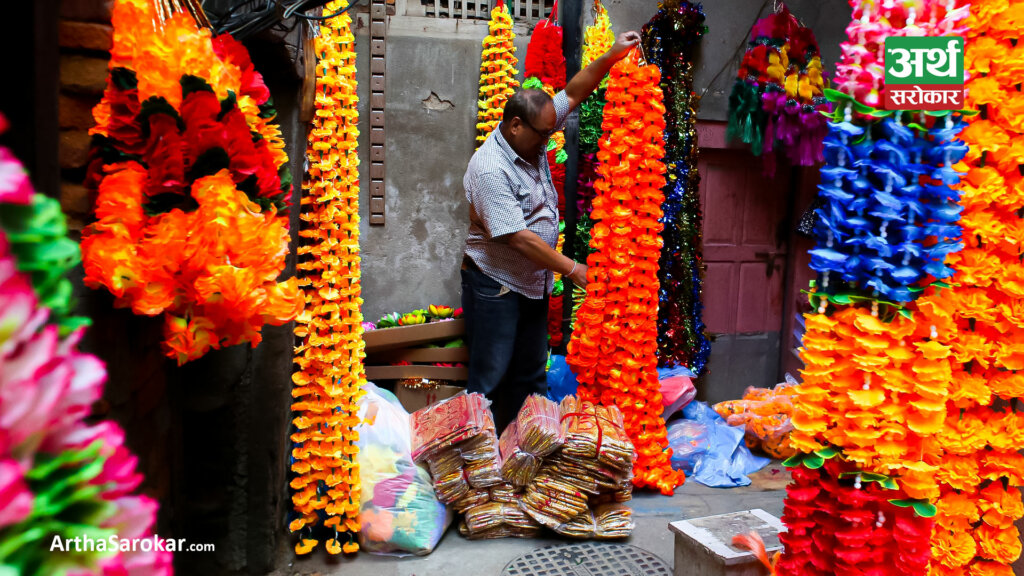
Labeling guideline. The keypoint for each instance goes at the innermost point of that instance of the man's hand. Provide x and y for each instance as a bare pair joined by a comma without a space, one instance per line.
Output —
579,276
623,43
583,83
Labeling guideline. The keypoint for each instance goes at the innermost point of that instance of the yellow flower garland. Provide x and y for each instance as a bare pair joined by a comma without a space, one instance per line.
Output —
599,37
497,72
330,375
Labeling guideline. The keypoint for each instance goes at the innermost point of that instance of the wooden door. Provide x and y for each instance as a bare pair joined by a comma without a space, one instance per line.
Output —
746,233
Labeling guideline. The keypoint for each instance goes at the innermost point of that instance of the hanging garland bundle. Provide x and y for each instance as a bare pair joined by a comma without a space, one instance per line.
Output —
544,58
60,475
981,474
614,347
670,40
497,71
329,359
193,186
880,352
778,93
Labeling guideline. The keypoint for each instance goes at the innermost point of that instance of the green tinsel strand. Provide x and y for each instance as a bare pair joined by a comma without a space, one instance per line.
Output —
747,118
591,116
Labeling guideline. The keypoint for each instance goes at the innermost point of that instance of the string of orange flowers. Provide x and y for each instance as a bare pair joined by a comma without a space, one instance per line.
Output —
497,71
614,348
192,183
329,378
983,467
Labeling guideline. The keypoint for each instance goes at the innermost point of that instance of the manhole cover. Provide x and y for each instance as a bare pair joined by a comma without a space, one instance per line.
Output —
588,559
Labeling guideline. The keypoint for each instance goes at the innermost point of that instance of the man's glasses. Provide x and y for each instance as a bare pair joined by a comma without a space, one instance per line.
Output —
546,134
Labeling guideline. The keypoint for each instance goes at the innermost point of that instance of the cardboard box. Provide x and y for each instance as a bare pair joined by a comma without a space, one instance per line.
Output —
408,336
413,399
416,371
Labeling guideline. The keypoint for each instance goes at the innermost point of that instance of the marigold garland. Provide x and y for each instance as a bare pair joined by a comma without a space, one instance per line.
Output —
670,40
193,186
329,377
982,469
613,349
497,71
62,474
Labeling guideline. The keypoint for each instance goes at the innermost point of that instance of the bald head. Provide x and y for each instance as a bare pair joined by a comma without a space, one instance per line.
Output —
527,104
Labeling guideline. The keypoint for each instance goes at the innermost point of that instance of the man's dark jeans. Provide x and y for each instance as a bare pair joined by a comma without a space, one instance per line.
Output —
507,337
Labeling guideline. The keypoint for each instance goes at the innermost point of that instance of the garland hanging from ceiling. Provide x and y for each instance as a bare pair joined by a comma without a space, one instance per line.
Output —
497,71
544,69
329,374
193,185
778,94
878,398
613,348
670,40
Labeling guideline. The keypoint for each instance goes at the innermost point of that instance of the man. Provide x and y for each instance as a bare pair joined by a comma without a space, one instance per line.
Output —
510,258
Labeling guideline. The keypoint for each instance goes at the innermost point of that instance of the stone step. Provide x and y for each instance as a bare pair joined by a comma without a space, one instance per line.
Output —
703,546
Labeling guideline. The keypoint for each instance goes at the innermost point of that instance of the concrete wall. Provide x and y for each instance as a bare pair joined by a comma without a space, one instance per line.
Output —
413,260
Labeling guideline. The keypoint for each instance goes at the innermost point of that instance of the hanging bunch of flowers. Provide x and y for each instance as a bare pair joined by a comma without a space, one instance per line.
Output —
982,469
545,70
880,350
329,374
497,71
778,93
61,476
192,184
613,349
670,39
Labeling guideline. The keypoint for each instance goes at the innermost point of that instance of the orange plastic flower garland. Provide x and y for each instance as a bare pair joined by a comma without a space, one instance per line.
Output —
497,71
983,467
877,391
614,348
330,375
192,184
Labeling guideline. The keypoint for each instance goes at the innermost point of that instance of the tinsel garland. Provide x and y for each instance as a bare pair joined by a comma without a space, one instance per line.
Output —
613,349
62,473
329,377
192,183
982,469
778,92
669,40
497,71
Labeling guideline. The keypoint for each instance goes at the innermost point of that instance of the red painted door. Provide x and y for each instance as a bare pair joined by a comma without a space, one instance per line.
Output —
745,254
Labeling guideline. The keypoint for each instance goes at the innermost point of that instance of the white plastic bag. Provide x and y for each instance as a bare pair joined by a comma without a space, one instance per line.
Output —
399,512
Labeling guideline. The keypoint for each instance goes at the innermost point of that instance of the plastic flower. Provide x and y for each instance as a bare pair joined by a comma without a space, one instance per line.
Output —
497,71
617,320
329,377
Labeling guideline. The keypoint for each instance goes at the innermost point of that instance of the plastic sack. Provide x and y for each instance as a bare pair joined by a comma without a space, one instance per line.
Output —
765,415
561,380
676,392
399,513
689,441
727,460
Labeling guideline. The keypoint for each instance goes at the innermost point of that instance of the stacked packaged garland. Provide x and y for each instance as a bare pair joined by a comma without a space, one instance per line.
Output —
670,40
545,70
871,416
62,474
497,71
329,359
193,184
778,93
597,39
613,349
983,469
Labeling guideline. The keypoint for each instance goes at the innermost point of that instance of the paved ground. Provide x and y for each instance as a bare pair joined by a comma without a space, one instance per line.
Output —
456,556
